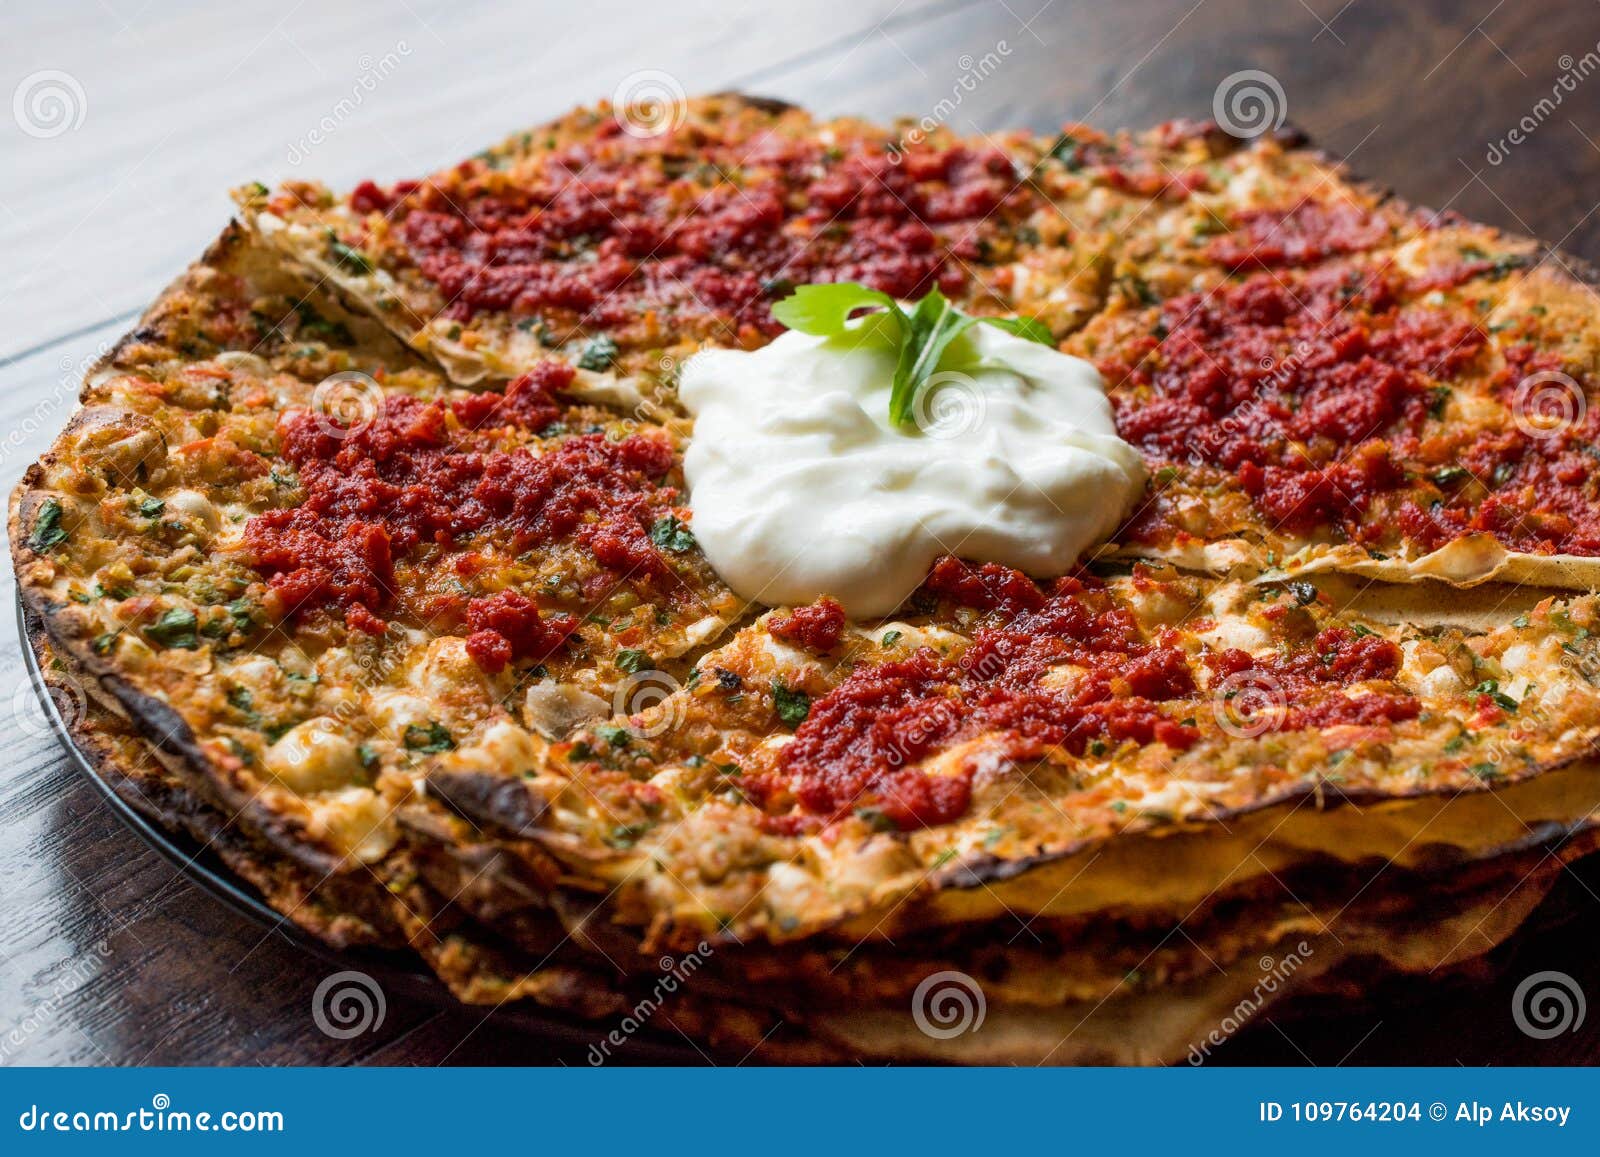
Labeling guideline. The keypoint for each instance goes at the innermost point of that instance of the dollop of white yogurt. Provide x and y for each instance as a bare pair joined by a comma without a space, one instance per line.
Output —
802,487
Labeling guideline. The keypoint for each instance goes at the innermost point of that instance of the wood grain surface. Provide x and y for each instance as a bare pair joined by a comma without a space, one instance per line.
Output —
107,954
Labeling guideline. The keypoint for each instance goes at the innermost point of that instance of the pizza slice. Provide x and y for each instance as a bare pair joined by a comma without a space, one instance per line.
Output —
1150,735
622,253
1389,415
304,562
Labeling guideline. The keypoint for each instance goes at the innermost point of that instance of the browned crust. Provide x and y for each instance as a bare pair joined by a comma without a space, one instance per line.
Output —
344,912
155,720
165,730
771,1020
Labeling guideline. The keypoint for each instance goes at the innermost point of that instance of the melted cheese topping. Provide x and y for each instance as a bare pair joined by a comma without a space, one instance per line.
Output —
802,487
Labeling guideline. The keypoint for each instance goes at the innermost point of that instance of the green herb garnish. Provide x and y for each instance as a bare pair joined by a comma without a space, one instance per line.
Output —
47,530
239,611
922,336
1491,688
792,706
633,661
626,835
876,819
430,739
617,737
598,354
670,534
175,628
348,258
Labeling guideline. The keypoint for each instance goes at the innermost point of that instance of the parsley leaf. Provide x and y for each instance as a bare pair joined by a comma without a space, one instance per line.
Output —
670,534
792,706
1491,688
47,530
823,310
632,660
922,336
875,819
240,611
625,835
176,628
429,740
935,323
598,354
1027,328
348,258
617,737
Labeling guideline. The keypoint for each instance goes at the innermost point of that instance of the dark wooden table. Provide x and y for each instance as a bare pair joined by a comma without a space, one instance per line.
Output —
107,955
